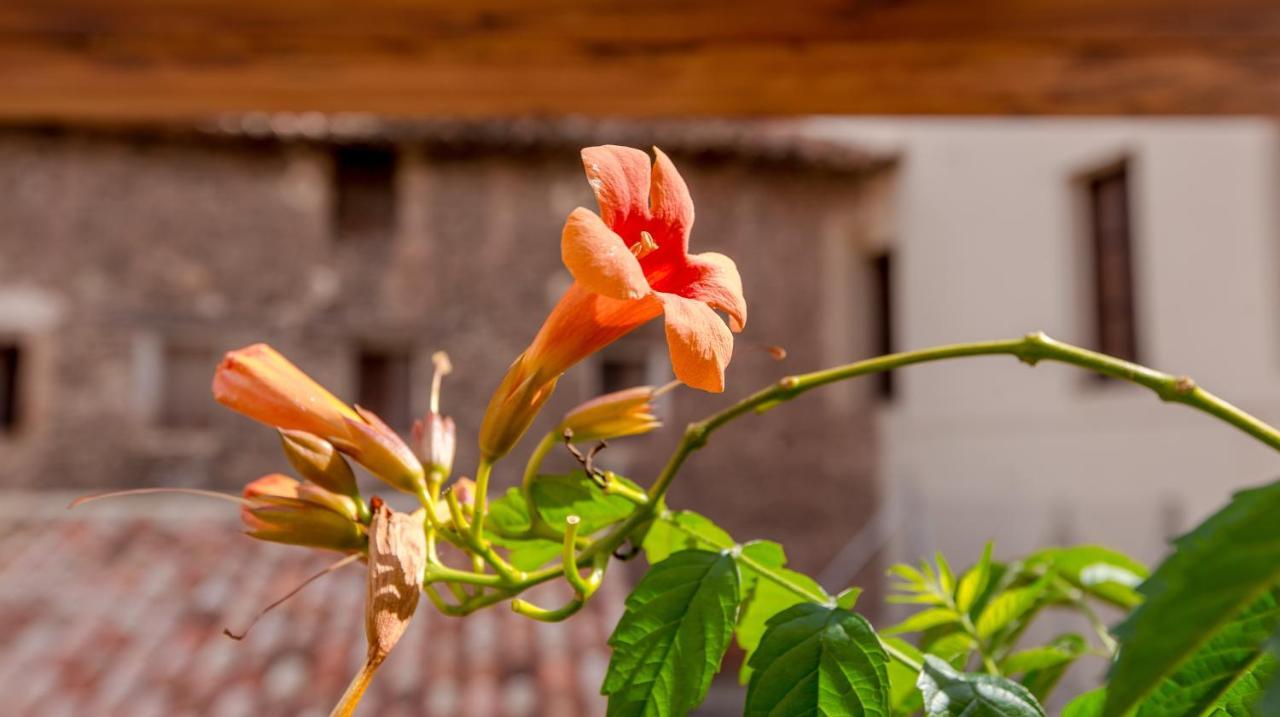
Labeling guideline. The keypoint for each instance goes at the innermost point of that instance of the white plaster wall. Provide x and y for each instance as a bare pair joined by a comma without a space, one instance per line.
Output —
988,247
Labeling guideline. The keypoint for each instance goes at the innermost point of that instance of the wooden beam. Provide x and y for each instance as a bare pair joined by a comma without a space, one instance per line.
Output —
169,59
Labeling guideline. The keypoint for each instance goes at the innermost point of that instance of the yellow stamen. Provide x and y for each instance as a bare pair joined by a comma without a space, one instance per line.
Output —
645,246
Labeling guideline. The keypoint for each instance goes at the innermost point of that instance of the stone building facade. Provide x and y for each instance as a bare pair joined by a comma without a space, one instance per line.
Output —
131,259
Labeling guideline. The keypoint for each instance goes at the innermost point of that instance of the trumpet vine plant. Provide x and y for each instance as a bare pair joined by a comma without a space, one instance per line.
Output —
1199,638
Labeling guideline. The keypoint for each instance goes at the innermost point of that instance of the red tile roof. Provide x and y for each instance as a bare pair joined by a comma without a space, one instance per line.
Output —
122,615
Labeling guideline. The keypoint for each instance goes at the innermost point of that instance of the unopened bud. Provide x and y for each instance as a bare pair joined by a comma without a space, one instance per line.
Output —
376,447
435,440
282,510
622,413
319,462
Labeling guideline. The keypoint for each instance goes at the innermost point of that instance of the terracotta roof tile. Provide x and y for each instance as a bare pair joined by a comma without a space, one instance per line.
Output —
123,616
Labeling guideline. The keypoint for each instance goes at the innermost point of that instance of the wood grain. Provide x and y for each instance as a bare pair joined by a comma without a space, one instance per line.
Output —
164,59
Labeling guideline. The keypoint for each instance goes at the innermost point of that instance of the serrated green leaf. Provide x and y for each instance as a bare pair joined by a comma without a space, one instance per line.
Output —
1104,573
906,573
848,598
950,646
672,636
1215,572
1088,704
1041,680
683,530
1246,697
974,581
904,697
924,620
1229,657
818,660
765,598
949,693
946,578
1062,651
1269,705
1005,608
559,496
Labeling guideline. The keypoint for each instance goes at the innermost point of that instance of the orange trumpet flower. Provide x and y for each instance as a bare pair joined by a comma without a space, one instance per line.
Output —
630,264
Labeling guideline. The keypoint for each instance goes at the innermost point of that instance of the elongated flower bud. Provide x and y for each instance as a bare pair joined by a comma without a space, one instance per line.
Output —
435,440
319,462
622,413
282,510
513,407
376,447
263,385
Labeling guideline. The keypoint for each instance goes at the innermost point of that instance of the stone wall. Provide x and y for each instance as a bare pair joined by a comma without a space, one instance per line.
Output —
128,264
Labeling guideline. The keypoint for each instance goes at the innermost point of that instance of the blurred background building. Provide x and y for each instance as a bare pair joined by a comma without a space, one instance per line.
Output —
133,256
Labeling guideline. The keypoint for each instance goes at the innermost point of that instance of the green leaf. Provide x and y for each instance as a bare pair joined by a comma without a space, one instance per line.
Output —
683,530
1269,705
1088,704
848,598
1246,697
949,693
559,496
1062,651
924,620
946,578
1219,666
1101,572
904,698
974,582
818,660
765,598
1042,680
1214,573
1005,608
672,636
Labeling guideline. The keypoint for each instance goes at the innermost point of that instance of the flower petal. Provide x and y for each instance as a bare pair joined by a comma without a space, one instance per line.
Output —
713,278
599,259
699,342
619,176
669,199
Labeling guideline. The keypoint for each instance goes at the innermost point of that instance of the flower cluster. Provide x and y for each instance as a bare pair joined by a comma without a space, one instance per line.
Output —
630,264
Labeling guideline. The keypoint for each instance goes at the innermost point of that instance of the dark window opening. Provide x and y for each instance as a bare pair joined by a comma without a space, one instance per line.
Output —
10,375
383,385
185,401
364,192
882,327
1115,330
619,372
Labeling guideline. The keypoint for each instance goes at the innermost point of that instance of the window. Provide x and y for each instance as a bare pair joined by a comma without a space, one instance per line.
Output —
383,385
10,376
185,402
364,192
619,372
1109,228
881,271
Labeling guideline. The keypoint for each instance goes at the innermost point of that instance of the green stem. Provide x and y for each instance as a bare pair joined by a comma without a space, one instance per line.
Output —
482,499
1029,349
537,526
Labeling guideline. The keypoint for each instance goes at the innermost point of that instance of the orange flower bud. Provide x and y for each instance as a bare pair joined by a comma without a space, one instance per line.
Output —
319,462
622,413
435,440
513,407
282,510
376,447
263,385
